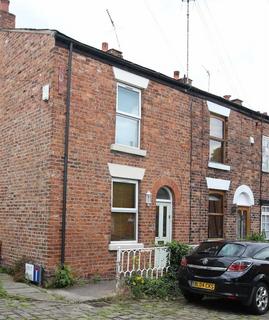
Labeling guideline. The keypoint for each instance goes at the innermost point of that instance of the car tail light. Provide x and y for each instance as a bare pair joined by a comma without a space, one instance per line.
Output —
183,262
239,266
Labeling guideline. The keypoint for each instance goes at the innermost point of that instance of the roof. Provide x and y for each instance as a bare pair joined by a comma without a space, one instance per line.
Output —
65,41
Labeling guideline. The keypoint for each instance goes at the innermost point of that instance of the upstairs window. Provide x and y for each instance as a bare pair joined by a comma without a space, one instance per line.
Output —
265,154
217,139
215,215
128,116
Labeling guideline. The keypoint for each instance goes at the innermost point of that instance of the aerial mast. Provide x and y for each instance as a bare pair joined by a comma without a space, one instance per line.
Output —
114,27
188,36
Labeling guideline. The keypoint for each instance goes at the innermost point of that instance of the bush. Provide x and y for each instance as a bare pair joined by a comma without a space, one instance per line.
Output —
256,237
177,251
63,277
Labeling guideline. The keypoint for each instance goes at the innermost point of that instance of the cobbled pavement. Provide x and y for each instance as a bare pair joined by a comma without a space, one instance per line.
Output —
125,309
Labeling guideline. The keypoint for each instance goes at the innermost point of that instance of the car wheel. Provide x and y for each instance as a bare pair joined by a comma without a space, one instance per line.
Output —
192,297
260,301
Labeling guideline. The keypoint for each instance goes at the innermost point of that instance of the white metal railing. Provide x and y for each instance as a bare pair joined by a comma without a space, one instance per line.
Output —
148,262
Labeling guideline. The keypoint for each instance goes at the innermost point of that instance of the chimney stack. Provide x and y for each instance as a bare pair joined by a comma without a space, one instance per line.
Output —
238,101
176,75
186,80
227,97
7,20
113,52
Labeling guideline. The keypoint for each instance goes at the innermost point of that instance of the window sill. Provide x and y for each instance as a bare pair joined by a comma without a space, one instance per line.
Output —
130,150
114,246
219,166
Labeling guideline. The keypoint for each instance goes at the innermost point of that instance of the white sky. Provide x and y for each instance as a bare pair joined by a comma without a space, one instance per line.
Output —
230,38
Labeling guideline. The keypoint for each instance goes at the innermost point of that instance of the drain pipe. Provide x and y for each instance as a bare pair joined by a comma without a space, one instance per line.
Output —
66,145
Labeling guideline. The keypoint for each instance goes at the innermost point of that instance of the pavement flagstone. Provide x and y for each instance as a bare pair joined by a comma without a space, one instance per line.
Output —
46,305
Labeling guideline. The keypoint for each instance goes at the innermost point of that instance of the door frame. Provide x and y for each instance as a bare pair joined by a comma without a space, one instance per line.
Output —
169,204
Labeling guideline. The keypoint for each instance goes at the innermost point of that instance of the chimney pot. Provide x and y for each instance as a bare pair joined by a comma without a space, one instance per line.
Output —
4,5
227,97
176,75
104,46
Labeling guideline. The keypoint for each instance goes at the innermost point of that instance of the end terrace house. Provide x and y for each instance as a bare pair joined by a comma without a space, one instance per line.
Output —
98,153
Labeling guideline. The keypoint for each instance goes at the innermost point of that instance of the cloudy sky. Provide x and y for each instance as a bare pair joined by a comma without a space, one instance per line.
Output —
229,39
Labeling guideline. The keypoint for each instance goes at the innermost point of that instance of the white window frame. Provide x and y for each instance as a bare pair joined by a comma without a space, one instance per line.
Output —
264,213
128,210
265,140
128,115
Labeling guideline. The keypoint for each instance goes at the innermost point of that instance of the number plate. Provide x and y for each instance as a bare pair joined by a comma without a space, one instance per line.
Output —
203,285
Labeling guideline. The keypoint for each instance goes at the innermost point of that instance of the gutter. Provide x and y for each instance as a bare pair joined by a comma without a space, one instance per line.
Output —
64,41
66,145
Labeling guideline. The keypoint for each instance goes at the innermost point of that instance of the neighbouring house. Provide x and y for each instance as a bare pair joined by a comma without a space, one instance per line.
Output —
98,153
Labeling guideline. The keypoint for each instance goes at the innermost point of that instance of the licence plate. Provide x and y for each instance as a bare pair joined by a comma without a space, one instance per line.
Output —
203,285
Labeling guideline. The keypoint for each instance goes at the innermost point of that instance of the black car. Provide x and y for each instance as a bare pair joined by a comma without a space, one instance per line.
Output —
237,270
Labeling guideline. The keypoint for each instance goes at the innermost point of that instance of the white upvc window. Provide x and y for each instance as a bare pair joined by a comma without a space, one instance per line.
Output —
128,116
124,211
265,154
265,221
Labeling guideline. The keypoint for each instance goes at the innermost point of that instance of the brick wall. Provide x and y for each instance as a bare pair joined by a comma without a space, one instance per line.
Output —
245,162
174,131
7,20
25,125
164,134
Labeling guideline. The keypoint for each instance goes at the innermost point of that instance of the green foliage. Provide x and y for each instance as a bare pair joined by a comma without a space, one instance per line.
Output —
96,278
63,277
18,271
3,293
163,287
177,251
256,237
156,288
5,270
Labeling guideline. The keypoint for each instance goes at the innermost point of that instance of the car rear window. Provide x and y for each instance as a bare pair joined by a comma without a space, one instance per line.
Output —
221,249
231,250
209,248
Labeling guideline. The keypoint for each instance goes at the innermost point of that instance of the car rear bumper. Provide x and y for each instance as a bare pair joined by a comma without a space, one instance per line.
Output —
225,288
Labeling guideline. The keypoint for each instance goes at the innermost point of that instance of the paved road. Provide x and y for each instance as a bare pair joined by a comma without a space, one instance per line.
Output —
171,310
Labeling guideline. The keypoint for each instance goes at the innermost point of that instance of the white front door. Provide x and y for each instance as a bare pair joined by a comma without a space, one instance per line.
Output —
163,223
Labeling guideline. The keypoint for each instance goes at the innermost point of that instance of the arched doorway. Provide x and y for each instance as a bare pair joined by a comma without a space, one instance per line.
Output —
243,199
163,223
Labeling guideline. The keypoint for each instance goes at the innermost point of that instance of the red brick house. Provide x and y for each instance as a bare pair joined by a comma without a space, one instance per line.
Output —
99,153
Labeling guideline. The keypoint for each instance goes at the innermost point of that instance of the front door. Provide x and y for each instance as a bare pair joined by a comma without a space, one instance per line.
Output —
163,224
163,232
243,222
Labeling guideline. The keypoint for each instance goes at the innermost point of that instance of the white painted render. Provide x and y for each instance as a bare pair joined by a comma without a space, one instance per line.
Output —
126,172
217,109
218,184
130,78
243,196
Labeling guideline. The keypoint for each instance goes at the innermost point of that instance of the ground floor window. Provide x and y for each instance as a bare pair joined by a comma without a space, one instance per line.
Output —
124,210
265,221
215,215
